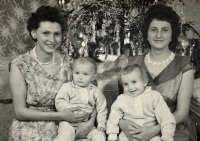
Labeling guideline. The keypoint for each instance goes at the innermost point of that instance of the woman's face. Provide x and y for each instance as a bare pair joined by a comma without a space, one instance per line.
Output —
49,36
159,34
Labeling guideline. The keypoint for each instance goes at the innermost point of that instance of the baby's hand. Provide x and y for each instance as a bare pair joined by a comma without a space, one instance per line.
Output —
101,129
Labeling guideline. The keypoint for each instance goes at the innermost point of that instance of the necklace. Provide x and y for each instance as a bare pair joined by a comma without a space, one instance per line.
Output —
169,59
44,65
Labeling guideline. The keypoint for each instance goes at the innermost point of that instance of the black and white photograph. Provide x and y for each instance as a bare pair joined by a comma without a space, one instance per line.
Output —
100,70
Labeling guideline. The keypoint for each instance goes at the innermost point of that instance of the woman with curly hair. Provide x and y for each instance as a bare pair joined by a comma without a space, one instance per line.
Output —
36,77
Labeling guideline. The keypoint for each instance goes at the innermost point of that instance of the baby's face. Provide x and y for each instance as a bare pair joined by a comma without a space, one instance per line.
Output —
132,83
83,73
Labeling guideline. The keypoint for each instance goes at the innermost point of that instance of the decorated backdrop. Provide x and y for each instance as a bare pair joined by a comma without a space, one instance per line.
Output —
114,27
14,39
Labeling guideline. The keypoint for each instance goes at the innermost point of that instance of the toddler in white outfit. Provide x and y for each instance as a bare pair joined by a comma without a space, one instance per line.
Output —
139,104
81,92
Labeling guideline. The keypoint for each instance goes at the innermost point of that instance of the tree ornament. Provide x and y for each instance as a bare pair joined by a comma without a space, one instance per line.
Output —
93,38
110,21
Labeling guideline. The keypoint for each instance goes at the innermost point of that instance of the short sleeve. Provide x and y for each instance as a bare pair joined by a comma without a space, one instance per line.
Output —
188,67
21,62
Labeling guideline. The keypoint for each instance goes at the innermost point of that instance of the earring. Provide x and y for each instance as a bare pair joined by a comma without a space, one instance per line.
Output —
34,38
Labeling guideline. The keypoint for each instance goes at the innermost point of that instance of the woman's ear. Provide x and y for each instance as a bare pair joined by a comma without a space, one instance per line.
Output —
33,34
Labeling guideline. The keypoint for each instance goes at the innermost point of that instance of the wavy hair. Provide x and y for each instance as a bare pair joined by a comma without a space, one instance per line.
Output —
162,13
45,13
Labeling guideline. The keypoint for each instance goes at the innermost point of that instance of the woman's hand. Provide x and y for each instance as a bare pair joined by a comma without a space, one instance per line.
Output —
143,133
127,127
84,128
136,133
70,116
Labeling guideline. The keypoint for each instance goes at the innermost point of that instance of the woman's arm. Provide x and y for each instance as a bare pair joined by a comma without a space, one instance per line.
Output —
135,132
19,90
184,96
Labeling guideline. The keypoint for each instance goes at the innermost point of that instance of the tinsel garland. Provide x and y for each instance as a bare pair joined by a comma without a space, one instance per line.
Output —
106,24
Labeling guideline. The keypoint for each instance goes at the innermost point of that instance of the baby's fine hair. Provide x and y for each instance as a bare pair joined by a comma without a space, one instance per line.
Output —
130,68
83,60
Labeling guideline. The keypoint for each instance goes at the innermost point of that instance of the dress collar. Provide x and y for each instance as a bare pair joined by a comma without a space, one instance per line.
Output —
170,72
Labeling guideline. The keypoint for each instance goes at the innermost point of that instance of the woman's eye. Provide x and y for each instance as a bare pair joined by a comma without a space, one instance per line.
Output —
58,34
152,29
46,33
85,74
165,30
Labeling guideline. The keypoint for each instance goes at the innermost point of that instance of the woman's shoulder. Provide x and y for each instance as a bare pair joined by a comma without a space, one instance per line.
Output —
21,58
141,57
21,61
181,58
22,55
65,58
184,62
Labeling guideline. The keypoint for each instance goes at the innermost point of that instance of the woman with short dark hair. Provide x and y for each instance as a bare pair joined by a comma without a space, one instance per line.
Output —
36,77
170,74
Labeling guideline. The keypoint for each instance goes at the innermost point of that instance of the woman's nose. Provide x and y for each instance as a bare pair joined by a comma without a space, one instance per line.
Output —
52,38
158,34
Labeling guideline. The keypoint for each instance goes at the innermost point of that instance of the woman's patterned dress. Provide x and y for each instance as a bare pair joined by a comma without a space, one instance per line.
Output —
41,91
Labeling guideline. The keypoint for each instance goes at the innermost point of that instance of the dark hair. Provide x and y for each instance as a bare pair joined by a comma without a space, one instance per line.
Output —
83,60
162,13
130,68
45,13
